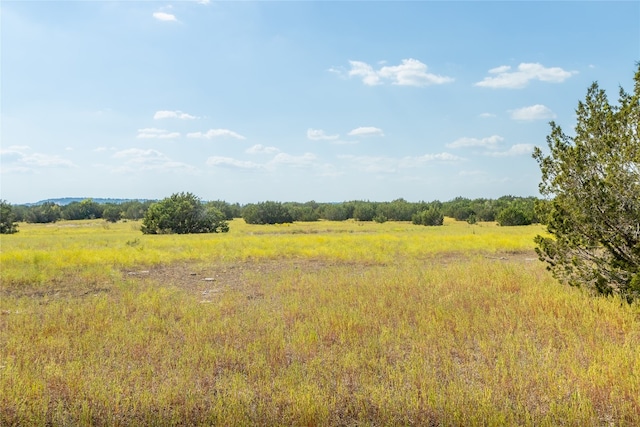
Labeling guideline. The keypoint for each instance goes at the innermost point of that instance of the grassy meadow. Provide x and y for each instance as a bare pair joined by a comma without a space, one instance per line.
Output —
326,323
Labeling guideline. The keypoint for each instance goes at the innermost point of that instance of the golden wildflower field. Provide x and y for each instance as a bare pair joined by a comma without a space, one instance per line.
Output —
326,323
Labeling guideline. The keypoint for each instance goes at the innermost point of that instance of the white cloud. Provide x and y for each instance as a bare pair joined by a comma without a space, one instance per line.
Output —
139,159
417,161
137,154
488,142
534,112
215,133
150,133
318,135
385,164
515,150
366,131
45,160
410,72
163,16
505,78
177,114
261,149
361,69
13,152
486,115
230,162
295,161
19,158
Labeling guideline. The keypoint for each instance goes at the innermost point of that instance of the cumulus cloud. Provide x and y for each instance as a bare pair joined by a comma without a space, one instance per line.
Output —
534,112
504,77
215,133
20,158
177,114
488,142
410,72
218,161
515,150
319,135
164,16
151,133
261,149
366,131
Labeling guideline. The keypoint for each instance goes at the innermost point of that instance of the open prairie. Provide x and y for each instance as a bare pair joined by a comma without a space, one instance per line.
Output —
325,323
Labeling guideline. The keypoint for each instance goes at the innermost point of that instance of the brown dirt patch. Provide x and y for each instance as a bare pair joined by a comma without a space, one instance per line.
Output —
236,275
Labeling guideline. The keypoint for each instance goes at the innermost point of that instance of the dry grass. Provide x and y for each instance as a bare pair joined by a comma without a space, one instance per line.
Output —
308,324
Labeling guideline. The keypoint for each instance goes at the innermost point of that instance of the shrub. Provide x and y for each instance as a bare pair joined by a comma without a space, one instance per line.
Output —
431,216
512,216
7,219
183,213
266,213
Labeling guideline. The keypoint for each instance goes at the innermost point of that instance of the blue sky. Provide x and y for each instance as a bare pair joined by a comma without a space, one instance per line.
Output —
295,101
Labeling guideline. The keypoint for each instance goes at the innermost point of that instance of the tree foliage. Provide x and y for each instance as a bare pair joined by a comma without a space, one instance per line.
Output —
7,219
266,213
112,212
430,216
86,209
511,216
183,213
592,185
45,213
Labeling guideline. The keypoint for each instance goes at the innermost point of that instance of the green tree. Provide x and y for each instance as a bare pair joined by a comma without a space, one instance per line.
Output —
430,216
44,213
303,212
334,212
7,219
364,211
112,213
230,211
86,209
591,182
266,213
512,216
183,213
134,209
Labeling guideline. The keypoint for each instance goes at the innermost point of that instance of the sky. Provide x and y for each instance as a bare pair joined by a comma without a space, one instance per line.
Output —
249,101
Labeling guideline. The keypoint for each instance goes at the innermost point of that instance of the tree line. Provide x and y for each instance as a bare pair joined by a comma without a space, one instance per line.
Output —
507,210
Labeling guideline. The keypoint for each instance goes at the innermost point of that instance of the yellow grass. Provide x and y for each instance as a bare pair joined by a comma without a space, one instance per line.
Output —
305,324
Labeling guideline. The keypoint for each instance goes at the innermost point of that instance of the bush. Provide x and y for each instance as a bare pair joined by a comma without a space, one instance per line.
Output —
183,213
112,213
42,214
7,219
266,213
512,216
431,216
364,211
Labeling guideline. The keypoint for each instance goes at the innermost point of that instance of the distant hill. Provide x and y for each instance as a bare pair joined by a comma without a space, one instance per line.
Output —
63,201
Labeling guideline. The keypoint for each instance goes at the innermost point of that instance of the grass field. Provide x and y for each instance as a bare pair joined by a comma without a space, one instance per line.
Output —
327,323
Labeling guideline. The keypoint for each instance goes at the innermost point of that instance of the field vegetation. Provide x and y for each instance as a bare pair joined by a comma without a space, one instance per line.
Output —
315,323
